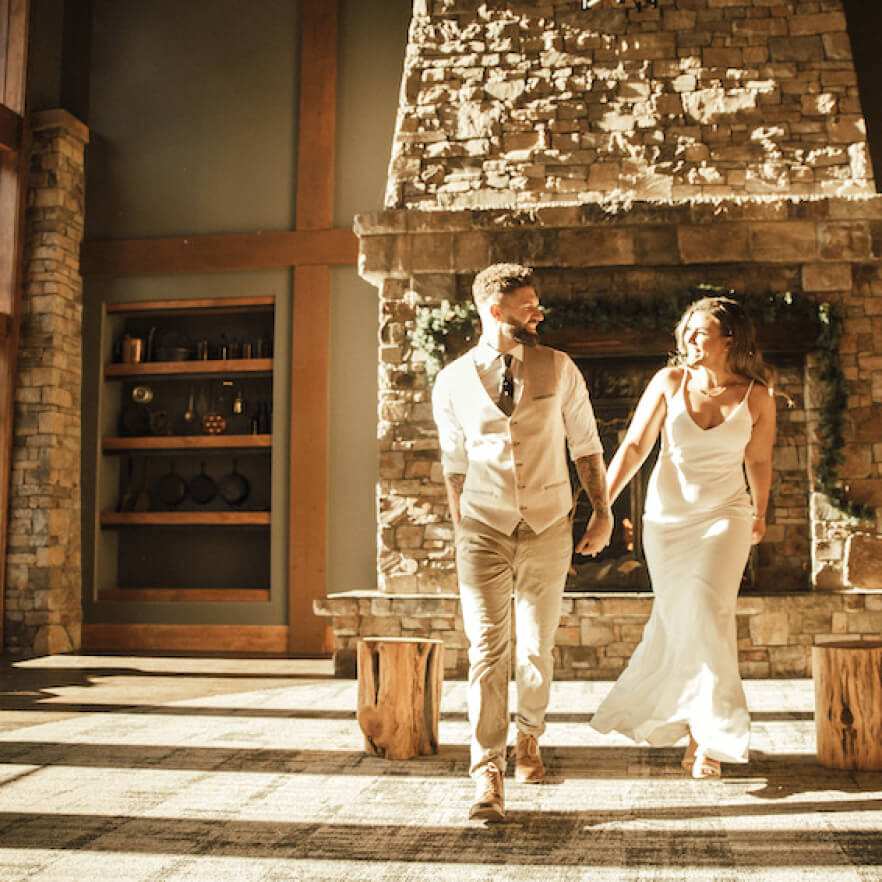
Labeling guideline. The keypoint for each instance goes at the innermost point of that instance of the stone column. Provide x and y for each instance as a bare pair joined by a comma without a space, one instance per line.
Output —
44,569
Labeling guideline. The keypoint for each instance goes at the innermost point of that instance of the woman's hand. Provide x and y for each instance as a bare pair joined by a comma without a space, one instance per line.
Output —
757,530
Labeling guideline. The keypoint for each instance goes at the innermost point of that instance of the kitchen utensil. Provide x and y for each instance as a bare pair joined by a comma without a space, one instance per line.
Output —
131,349
238,403
212,422
142,395
174,353
234,487
127,491
142,497
170,490
190,412
134,420
160,423
202,487
202,350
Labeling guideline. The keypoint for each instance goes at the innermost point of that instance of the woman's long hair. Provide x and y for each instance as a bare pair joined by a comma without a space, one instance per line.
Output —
737,326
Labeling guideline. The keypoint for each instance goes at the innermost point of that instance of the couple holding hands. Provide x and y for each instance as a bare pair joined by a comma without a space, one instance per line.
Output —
506,410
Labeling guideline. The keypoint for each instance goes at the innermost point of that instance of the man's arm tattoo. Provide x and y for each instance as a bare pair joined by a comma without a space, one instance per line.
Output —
592,475
454,484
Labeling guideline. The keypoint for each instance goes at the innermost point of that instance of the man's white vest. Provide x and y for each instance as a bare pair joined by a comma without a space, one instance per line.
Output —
517,465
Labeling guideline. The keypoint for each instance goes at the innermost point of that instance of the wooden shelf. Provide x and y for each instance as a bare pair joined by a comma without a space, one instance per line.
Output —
205,306
225,366
184,595
185,518
152,443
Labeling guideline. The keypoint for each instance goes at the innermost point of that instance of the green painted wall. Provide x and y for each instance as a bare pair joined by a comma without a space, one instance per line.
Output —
193,122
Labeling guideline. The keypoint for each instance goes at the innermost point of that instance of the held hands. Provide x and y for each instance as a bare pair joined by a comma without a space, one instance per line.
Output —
597,535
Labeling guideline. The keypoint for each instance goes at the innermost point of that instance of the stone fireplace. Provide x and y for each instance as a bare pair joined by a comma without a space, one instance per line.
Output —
632,154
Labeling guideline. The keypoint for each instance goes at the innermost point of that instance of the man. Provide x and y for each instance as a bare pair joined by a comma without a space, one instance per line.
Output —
504,411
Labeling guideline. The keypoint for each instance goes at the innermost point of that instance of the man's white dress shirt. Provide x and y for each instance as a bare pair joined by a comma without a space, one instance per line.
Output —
515,466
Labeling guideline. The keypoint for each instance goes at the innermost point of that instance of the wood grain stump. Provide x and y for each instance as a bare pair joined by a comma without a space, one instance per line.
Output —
399,695
848,704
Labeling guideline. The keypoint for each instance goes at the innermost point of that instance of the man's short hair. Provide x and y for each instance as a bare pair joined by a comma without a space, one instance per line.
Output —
501,278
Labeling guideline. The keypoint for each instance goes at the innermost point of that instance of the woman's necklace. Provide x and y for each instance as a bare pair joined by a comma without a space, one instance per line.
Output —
712,393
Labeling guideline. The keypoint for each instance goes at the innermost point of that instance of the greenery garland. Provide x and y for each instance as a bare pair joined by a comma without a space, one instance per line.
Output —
451,327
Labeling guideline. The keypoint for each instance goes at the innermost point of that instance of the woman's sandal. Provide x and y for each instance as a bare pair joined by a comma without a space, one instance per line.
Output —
705,767
698,765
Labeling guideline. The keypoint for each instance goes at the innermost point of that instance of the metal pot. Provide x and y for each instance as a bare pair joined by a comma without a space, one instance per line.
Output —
170,490
234,488
202,488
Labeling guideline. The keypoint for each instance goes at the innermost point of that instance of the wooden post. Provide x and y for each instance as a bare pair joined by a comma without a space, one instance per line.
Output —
848,704
399,695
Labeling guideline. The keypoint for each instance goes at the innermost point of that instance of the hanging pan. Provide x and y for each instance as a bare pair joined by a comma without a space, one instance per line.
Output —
234,488
202,488
169,491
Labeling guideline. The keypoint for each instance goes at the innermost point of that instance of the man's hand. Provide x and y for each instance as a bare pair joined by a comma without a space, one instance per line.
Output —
757,531
597,535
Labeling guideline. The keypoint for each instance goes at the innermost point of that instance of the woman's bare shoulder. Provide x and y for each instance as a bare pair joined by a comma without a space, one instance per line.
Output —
667,380
761,400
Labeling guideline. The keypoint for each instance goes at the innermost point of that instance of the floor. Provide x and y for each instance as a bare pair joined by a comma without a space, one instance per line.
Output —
194,769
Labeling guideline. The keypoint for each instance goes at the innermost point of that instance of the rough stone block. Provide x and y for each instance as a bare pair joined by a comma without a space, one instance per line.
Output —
788,241
844,241
721,243
596,246
799,48
826,277
863,561
594,633
770,629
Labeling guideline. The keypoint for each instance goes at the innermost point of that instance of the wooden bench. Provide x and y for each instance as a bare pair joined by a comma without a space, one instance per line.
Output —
399,695
848,704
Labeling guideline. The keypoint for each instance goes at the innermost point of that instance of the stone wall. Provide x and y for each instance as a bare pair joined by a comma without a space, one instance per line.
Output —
509,104
829,249
598,634
44,581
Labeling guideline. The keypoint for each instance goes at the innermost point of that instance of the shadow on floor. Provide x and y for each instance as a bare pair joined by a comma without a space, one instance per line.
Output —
527,838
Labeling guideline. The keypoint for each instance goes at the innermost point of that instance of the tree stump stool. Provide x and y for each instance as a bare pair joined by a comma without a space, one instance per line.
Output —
399,695
848,704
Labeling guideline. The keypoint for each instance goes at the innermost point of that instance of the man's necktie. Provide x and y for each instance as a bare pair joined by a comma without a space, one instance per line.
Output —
506,388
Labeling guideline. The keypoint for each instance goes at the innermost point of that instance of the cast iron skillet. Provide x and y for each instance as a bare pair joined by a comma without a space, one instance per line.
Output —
202,488
171,489
234,488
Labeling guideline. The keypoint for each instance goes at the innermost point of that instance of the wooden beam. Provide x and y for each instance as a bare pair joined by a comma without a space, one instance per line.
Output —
315,131
211,639
308,492
222,253
308,514
10,129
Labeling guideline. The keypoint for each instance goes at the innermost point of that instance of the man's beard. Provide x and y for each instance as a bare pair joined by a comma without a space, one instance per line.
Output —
521,333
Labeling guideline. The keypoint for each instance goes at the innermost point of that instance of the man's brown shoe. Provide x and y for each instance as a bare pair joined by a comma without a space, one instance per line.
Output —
528,763
489,804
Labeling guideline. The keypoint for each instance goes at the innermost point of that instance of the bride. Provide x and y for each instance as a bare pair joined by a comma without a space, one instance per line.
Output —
714,407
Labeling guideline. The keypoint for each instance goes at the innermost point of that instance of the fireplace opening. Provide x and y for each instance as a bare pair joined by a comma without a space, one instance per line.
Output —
615,385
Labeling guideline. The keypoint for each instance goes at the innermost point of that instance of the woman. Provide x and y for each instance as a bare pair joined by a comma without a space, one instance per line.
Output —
715,409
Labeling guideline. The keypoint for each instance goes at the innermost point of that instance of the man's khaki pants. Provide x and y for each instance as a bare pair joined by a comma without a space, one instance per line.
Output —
491,566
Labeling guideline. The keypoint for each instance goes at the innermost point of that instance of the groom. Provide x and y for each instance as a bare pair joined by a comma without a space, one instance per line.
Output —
505,411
